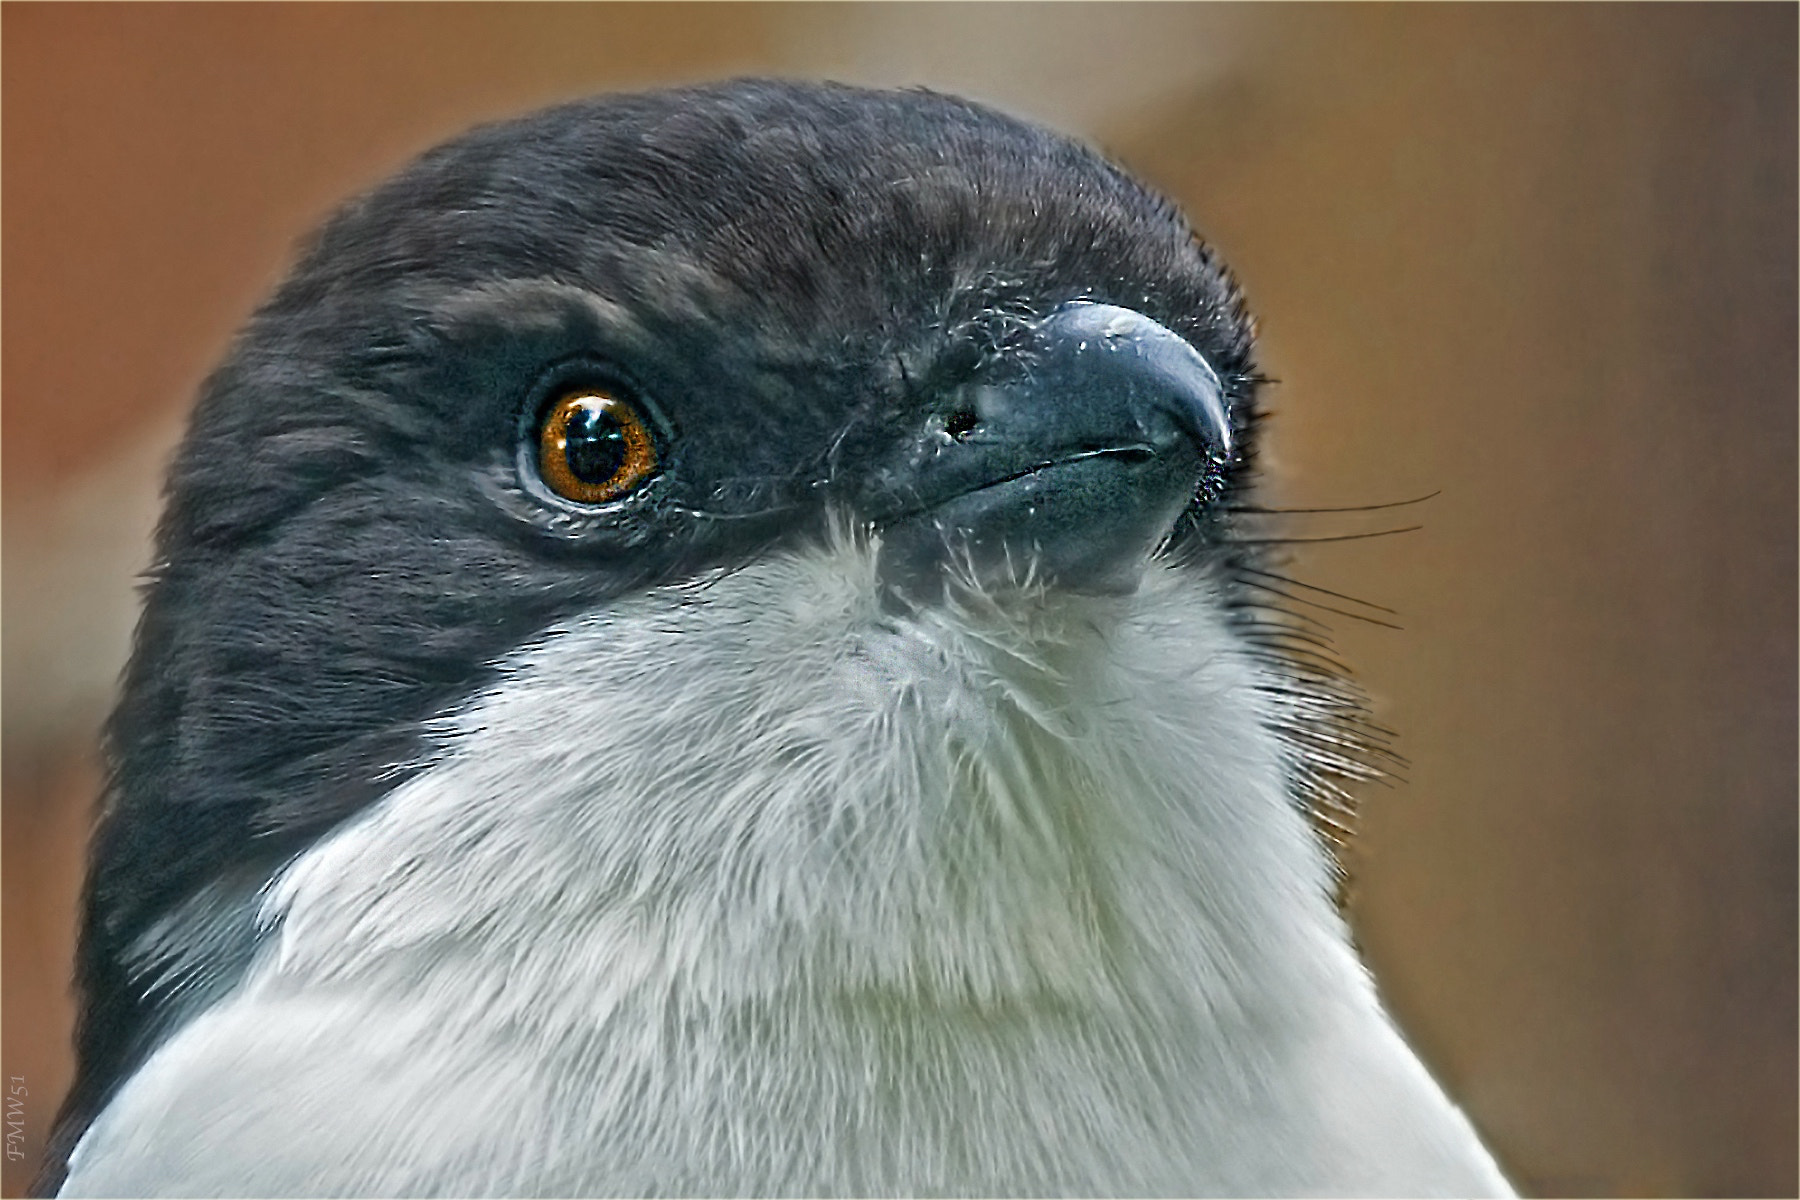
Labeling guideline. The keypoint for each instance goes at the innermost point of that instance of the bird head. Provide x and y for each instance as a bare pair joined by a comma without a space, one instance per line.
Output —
791,522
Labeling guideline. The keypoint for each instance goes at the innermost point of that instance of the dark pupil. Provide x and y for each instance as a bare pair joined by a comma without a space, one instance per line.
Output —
595,444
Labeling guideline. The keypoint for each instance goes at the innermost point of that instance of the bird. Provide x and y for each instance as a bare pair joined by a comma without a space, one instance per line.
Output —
705,642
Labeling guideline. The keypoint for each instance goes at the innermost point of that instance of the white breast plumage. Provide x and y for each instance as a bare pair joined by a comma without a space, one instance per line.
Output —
747,885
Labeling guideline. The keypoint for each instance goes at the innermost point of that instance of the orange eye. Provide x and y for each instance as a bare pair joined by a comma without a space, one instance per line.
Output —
594,447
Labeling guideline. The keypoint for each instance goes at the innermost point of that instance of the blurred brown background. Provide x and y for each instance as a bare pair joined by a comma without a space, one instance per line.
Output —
1542,259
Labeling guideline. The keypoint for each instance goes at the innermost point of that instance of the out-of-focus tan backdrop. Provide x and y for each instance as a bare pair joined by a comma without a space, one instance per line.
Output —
1542,259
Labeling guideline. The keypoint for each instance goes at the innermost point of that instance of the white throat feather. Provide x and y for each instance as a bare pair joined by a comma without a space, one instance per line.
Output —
752,884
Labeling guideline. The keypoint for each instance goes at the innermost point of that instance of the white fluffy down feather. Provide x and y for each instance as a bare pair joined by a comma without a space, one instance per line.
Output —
753,886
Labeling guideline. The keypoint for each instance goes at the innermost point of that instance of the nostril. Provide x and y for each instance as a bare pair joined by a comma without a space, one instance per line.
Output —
960,423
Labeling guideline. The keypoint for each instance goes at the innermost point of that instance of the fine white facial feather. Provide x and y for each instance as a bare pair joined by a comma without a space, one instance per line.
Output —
750,885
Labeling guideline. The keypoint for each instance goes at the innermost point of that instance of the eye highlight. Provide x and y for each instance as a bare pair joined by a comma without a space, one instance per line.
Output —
593,446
